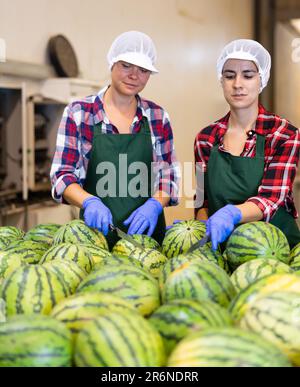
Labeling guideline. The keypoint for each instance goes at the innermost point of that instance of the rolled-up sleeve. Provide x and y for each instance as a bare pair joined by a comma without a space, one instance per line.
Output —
279,175
167,170
66,161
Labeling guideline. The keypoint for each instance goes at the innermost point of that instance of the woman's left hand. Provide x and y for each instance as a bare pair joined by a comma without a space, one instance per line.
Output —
221,224
145,217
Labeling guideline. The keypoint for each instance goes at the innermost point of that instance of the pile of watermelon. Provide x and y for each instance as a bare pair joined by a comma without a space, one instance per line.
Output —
66,300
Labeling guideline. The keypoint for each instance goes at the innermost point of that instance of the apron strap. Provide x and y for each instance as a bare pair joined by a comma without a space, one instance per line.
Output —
260,146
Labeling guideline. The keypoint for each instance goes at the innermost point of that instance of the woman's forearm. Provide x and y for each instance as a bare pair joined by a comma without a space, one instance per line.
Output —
162,197
75,195
250,212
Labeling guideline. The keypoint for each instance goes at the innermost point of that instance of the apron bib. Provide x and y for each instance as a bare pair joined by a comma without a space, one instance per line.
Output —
133,148
233,179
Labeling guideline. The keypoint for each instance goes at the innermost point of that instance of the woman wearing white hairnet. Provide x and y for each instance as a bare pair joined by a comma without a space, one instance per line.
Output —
106,145
250,156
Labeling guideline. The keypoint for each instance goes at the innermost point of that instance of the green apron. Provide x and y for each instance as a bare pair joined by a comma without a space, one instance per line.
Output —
107,148
233,179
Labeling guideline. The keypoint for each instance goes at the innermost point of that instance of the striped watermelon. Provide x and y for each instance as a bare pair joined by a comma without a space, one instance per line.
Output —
226,347
119,340
213,256
256,240
29,251
128,282
72,252
70,274
77,231
181,236
146,241
114,260
77,310
34,341
9,234
174,263
295,258
123,248
295,253
31,289
4,242
178,318
199,280
9,262
42,233
295,266
272,283
2,310
276,317
98,253
151,259
255,269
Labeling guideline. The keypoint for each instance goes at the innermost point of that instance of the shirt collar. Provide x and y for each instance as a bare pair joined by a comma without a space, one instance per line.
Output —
264,123
99,113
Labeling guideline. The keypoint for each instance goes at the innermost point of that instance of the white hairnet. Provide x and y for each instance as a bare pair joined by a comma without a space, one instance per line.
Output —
247,49
133,47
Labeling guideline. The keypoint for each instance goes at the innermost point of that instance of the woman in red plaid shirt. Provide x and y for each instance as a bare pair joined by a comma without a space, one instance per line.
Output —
250,156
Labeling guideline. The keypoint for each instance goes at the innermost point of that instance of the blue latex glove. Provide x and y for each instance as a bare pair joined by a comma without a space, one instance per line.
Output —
221,224
96,214
145,217
175,222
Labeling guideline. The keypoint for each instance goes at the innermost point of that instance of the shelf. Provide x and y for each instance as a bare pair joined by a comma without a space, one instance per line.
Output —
41,187
25,69
41,144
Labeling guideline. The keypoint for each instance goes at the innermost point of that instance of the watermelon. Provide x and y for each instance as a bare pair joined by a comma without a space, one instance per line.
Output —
295,252
151,259
255,269
31,289
42,233
9,234
72,252
119,340
226,347
29,251
213,256
295,266
272,283
178,318
2,311
70,274
97,253
77,310
9,262
146,241
174,263
125,248
34,341
256,240
131,283
77,231
4,242
181,236
199,280
115,260
276,317
295,258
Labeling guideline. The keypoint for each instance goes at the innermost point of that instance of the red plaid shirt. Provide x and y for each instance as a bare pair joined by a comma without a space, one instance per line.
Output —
282,145
75,137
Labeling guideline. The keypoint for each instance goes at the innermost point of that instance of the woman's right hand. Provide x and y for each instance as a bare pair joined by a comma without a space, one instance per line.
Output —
96,214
